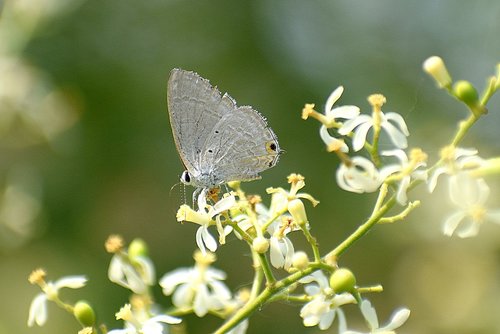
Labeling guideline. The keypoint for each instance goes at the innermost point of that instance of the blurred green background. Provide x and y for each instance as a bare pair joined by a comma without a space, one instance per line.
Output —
86,143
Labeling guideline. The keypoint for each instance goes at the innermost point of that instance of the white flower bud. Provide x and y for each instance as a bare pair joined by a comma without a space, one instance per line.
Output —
436,68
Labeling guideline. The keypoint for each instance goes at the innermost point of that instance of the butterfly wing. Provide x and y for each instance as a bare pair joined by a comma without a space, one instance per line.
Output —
240,146
194,107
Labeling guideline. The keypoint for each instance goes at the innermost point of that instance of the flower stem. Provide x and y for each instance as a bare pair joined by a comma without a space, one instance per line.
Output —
362,230
264,297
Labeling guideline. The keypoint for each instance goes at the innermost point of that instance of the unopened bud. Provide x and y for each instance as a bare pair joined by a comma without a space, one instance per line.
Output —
343,280
137,247
466,93
436,68
260,245
298,211
84,313
300,260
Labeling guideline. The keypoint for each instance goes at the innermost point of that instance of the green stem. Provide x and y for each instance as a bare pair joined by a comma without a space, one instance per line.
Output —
312,241
266,268
362,230
265,295
257,278
463,127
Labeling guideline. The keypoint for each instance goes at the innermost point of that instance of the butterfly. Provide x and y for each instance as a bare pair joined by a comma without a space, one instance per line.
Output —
217,141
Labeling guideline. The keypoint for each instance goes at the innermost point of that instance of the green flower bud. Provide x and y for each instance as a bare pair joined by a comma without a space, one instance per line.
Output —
465,92
137,247
260,245
343,280
84,313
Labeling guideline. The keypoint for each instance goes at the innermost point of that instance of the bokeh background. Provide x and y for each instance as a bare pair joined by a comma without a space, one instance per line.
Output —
86,147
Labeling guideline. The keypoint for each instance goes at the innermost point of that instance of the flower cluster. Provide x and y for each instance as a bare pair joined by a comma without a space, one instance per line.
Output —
468,191
310,278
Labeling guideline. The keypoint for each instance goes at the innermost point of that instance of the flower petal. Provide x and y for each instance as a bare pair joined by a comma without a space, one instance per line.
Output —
432,180
451,223
399,120
397,137
369,314
73,282
208,239
359,139
401,196
183,296
397,320
170,280
276,254
325,321
469,230
346,112
332,141
352,123
334,96
38,311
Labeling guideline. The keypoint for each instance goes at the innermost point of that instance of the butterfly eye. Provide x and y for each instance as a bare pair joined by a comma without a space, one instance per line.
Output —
271,146
185,177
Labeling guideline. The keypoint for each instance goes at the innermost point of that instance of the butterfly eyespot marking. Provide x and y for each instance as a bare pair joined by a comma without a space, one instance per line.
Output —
210,151
216,131
271,147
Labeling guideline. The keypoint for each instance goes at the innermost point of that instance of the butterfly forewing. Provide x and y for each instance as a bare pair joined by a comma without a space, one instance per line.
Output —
194,107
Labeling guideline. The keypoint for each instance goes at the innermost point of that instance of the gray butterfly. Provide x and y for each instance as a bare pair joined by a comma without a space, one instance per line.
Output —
217,141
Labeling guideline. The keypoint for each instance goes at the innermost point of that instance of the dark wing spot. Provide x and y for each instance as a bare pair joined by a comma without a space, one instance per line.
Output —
273,146
216,131
210,151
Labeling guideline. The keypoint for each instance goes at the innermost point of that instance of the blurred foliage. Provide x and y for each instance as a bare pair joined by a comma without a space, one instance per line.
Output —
106,63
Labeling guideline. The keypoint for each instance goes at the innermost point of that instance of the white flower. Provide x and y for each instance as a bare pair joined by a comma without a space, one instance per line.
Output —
136,276
406,169
331,114
455,159
324,306
370,315
360,176
200,287
363,123
281,248
469,195
205,218
38,308
153,325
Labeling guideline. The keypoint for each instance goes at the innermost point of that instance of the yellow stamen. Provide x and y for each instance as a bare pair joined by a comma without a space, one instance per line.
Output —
114,244
204,259
125,313
37,277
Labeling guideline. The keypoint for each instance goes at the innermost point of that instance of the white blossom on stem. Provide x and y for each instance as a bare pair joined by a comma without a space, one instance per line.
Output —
360,175
324,306
50,292
405,170
205,219
200,288
393,124
455,159
469,195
